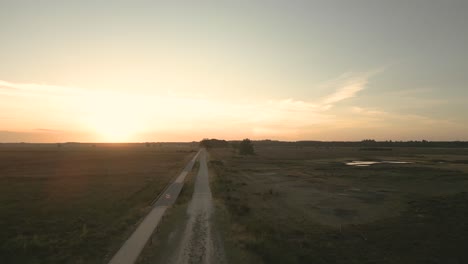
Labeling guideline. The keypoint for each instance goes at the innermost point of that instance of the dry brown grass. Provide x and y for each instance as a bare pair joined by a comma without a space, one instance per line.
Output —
303,204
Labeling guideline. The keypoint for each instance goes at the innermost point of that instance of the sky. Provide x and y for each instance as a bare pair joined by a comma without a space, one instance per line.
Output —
136,71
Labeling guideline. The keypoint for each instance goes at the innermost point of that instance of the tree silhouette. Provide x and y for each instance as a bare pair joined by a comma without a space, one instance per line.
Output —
246,147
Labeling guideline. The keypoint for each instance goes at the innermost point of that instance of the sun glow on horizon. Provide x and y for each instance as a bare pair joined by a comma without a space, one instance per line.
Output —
114,117
114,131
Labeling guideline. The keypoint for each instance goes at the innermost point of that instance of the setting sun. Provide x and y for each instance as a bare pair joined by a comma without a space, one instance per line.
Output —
114,117
113,129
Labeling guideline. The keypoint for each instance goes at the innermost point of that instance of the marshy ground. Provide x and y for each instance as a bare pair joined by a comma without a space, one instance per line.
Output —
305,205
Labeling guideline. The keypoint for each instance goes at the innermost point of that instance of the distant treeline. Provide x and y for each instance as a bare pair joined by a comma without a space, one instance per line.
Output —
368,143
214,143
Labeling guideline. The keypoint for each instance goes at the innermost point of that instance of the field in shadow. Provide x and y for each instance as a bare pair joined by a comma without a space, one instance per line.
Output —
77,203
305,205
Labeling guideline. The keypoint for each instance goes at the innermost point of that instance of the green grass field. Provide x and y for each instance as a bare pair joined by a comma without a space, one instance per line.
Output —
304,205
77,203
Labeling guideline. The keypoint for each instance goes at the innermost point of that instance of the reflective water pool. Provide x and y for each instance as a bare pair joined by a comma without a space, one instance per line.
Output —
359,163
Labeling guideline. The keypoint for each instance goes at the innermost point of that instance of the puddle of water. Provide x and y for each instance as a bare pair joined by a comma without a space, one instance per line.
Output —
359,163
362,163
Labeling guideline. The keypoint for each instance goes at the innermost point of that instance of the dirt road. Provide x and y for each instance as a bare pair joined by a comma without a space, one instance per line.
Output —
198,243
131,249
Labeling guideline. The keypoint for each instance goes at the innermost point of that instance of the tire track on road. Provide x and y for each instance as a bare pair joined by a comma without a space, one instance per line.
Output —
198,243
133,246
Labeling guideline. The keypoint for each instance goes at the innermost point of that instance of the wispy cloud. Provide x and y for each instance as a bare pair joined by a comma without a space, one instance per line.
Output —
367,111
47,130
36,89
347,86
388,118
110,110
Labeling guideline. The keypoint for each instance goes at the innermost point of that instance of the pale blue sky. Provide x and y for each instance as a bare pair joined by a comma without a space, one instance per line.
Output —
260,69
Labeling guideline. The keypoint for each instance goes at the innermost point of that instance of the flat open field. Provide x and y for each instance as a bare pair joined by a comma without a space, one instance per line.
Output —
76,203
290,204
